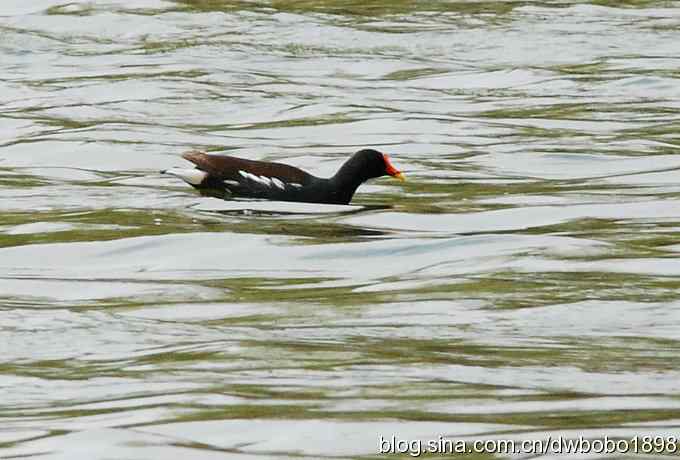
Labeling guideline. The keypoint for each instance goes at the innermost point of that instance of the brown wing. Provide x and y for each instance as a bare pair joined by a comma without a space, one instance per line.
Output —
227,167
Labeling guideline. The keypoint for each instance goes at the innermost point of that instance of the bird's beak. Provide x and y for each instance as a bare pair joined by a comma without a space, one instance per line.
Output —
391,170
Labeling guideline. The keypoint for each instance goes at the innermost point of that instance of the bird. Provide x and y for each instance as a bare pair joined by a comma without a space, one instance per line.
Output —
227,176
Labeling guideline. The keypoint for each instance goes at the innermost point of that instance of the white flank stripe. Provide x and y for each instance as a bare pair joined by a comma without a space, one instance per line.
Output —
296,185
259,179
278,183
190,176
233,183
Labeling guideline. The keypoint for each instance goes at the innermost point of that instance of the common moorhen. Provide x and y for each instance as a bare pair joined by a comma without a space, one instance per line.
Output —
228,176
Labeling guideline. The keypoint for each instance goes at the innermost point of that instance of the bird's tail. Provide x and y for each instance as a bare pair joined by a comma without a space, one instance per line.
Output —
190,176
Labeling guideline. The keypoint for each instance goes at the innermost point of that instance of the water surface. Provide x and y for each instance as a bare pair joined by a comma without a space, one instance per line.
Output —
522,284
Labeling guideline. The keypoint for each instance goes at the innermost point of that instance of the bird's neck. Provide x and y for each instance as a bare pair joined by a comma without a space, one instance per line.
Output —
348,178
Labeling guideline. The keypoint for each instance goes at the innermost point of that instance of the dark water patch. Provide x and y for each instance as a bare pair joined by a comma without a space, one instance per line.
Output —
356,8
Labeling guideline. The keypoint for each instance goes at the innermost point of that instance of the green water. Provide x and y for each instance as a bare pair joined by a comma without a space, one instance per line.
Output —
522,284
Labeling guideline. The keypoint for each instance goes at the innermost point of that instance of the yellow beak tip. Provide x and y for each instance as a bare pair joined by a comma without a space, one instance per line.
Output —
400,176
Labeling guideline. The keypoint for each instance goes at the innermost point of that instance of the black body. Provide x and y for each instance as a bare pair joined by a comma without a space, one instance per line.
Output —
231,176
